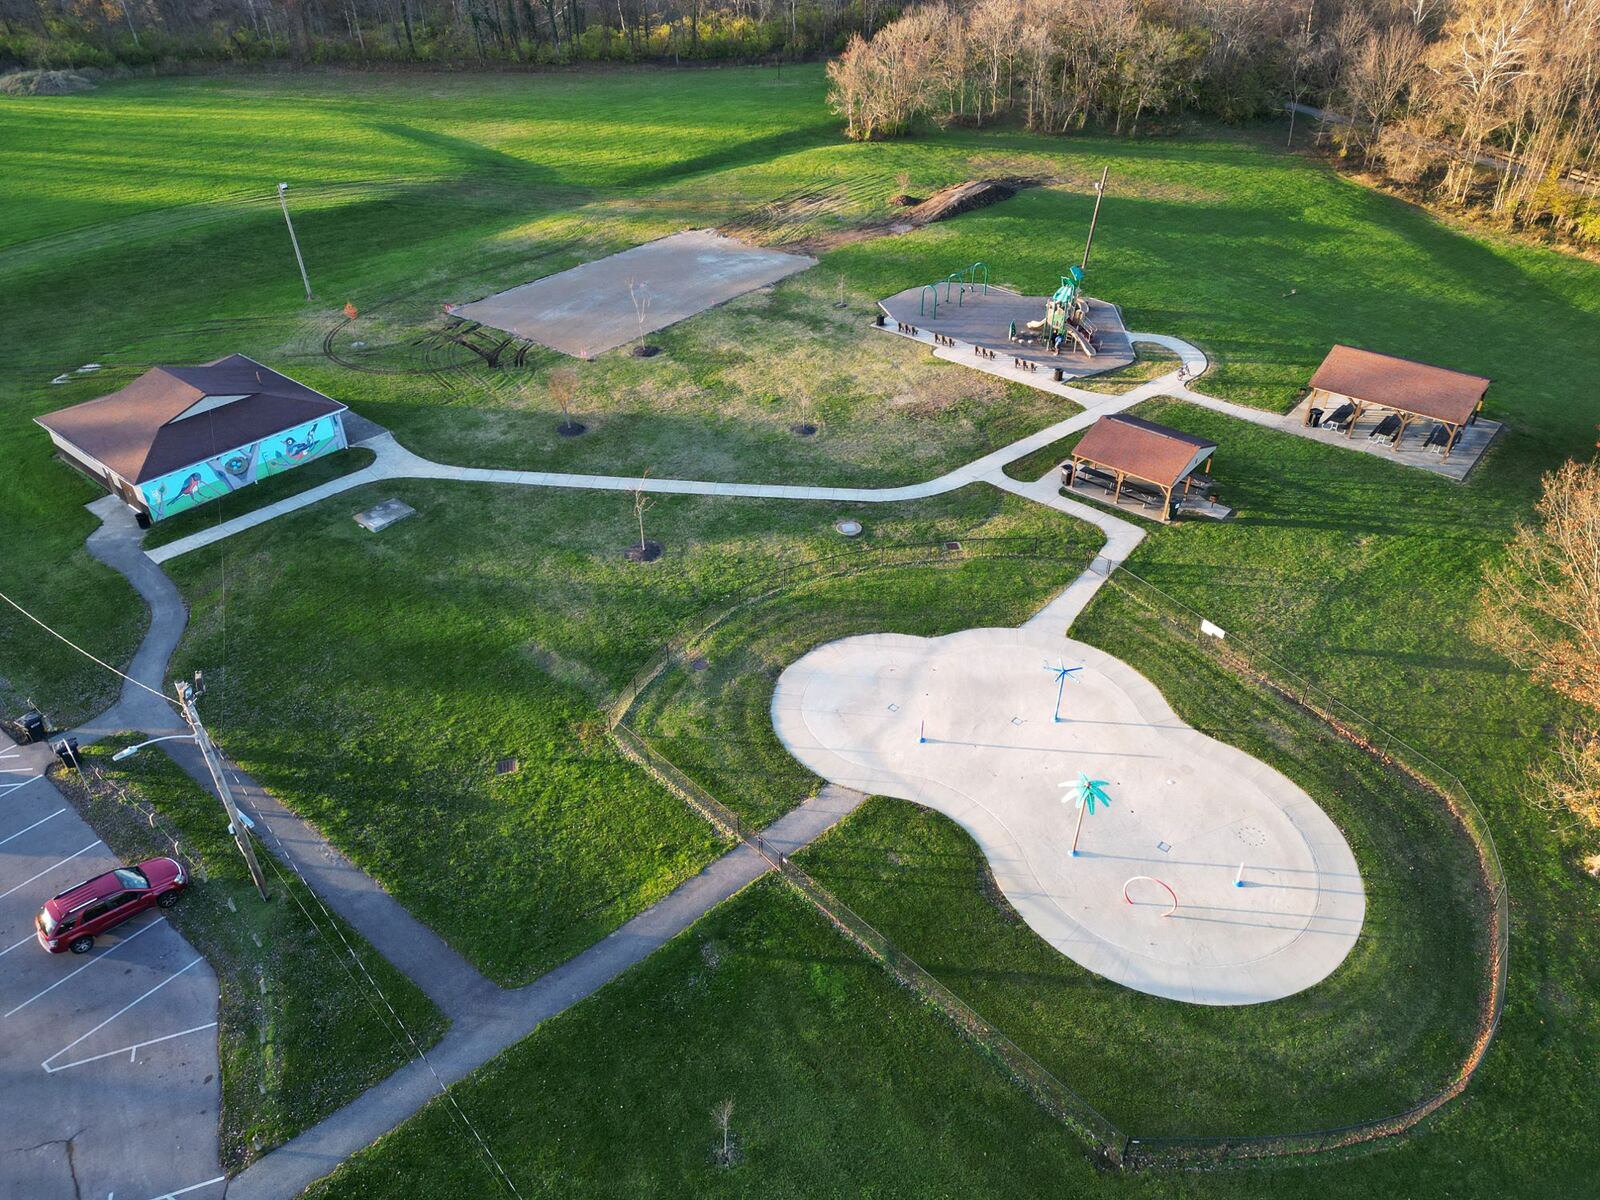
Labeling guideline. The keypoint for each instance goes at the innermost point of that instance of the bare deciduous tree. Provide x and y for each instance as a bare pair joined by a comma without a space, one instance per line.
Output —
722,1114
1541,608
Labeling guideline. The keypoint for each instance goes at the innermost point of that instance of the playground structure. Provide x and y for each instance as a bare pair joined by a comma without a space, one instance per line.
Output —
964,724
964,316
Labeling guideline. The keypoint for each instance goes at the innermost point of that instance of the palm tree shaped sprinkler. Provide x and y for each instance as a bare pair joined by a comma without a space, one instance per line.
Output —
1085,792
1062,672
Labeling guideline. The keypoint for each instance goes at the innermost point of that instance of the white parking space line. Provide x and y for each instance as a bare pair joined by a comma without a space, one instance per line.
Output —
81,1037
131,1051
14,945
35,825
7,788
193,1187
103,954
50,868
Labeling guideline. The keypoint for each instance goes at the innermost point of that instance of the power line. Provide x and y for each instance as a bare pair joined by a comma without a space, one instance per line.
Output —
496,1169
80,649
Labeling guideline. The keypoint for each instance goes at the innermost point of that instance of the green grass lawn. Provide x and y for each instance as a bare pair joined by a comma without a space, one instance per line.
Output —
301,1030
374,681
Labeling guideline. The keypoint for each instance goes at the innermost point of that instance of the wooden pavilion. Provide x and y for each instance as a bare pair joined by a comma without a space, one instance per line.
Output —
1409,389
1127,454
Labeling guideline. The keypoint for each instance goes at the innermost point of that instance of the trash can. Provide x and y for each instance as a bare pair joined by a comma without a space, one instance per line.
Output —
67,751
33,725
1315,420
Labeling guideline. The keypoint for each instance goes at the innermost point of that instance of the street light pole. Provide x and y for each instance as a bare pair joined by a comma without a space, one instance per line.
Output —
283,201
1099,195
187,693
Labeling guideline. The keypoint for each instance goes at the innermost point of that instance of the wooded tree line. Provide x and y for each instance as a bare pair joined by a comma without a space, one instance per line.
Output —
106,33
1493,103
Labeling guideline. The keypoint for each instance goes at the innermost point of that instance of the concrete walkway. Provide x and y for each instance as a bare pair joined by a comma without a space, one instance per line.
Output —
506,1017
486,1019
394,461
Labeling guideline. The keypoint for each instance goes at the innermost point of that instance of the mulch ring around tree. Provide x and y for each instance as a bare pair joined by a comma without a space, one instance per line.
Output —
803,429
646,351
571,428
648,552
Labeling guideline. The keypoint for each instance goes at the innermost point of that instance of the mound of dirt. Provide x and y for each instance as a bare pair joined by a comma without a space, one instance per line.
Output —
43,83
964,197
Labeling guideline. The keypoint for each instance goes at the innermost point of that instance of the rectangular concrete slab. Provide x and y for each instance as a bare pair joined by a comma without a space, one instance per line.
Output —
589,309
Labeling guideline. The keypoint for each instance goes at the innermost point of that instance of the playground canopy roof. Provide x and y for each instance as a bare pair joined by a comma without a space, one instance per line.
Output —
150,427
1143,449
1402,384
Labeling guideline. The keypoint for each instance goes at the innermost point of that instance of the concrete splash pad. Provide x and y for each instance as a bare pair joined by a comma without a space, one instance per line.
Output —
1186,810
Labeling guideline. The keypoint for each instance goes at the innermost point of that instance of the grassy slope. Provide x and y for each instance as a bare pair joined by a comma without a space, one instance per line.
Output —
373,681
301,1032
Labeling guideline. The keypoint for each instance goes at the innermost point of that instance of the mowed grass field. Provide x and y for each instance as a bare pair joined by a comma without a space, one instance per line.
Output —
406,662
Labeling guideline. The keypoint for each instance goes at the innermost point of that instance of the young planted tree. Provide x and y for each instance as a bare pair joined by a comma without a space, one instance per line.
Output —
563,385
640,295
643,501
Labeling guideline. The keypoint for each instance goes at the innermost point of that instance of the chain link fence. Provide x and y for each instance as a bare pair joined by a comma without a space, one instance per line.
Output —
1108,1144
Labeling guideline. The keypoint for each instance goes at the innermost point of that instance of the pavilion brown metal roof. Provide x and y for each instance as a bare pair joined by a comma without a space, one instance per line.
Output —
1401,384
1143,449
137,431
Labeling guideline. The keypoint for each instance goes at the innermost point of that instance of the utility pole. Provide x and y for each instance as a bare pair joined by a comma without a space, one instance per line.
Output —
188,693
283,200
1099,195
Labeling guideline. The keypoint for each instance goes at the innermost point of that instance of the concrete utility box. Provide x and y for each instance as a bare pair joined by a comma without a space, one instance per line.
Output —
381,516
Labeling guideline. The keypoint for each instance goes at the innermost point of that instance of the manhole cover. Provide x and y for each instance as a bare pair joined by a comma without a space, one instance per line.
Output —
1164,847
1251,836
849,528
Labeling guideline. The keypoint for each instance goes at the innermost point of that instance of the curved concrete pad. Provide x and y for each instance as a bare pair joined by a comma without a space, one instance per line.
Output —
1187,810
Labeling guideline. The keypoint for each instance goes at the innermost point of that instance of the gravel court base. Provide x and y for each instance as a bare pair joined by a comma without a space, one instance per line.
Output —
965,724
589,309
126,1107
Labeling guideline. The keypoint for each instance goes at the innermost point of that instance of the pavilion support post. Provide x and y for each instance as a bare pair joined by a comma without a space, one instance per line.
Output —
1405,421
1451,433
1355,419
1116,497
1166,509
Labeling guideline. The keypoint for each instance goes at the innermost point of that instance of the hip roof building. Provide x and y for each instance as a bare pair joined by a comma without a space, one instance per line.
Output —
177,437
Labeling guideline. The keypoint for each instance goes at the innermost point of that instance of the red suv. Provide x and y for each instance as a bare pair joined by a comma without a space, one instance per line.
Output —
71,920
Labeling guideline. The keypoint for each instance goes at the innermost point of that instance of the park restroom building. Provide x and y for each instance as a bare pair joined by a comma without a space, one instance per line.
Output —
177,437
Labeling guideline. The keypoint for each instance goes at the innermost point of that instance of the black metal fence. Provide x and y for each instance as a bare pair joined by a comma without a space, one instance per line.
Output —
1108,1143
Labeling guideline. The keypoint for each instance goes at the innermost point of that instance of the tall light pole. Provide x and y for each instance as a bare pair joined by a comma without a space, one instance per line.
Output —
187,694
1099,195
283,201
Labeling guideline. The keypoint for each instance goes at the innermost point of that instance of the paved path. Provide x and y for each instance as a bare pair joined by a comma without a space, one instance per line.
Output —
512,1015
394,461
487,1019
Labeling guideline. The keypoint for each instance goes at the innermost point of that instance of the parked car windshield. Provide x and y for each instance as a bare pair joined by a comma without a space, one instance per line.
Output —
47,922
131,877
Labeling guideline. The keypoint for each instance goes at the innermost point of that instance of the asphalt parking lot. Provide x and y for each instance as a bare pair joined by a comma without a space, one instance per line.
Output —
108,1060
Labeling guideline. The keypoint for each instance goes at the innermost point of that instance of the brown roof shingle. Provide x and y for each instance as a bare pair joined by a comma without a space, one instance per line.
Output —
1143,449
1400,383
132,431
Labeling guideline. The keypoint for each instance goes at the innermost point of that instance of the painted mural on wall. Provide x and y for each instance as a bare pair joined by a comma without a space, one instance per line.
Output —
191,486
